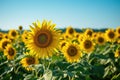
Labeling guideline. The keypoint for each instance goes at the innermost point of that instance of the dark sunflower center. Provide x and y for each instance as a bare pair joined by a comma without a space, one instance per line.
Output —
89,33
43,39
30,60
14,33
4,44
26,38
63,44
119,31
11,51
6,37
100,39
72,51
119,52
0,37
77,35
87,44
71,31
111,35
20,27
66,36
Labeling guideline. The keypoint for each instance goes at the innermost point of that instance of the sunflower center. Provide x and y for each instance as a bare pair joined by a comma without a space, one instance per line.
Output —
119,52
0,37
14,33
77,35
71,31
100,39
89,33
11,51
119,31
4,44
63,44
111,35
30,60
43,39
72,51
87,44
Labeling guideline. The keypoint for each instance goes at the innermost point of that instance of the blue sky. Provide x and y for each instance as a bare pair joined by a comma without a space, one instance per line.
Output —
76,13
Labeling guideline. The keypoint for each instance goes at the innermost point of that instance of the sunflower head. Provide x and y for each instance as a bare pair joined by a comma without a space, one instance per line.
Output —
62,44
117,53
20,27
29,60
25,36
110,35
6,36
87,44
72,52
4,42
1,36
70,31
43,39
13,34
89,32
10,52
100,39
118,32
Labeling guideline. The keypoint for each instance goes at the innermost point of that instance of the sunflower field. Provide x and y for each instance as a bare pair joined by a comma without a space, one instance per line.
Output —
47,53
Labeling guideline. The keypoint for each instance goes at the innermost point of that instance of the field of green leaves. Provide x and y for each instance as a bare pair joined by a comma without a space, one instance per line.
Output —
47,53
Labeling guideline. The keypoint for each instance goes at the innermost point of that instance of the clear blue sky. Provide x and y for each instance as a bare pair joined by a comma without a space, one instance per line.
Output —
77,13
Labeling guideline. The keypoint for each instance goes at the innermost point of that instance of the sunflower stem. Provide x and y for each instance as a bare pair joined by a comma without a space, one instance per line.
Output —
4,63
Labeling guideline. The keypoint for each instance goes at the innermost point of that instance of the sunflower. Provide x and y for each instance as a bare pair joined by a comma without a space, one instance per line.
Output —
29,60
62,44
100,39
1,36
4,42
13,34
117,53
6,36
70,31
43,39
25,36
10,52
20,27
118,32
72,52
77,35
89,32
87,44
110,35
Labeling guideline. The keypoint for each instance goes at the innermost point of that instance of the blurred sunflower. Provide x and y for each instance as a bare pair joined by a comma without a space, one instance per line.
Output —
77,35
110,35
100,39
62,44
6,36
70,31
72,52
43,39
20,27
117,53
118,32
27,61
25,36
94,35
10,52
1,36
4,42
88,32
13,34
87,44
